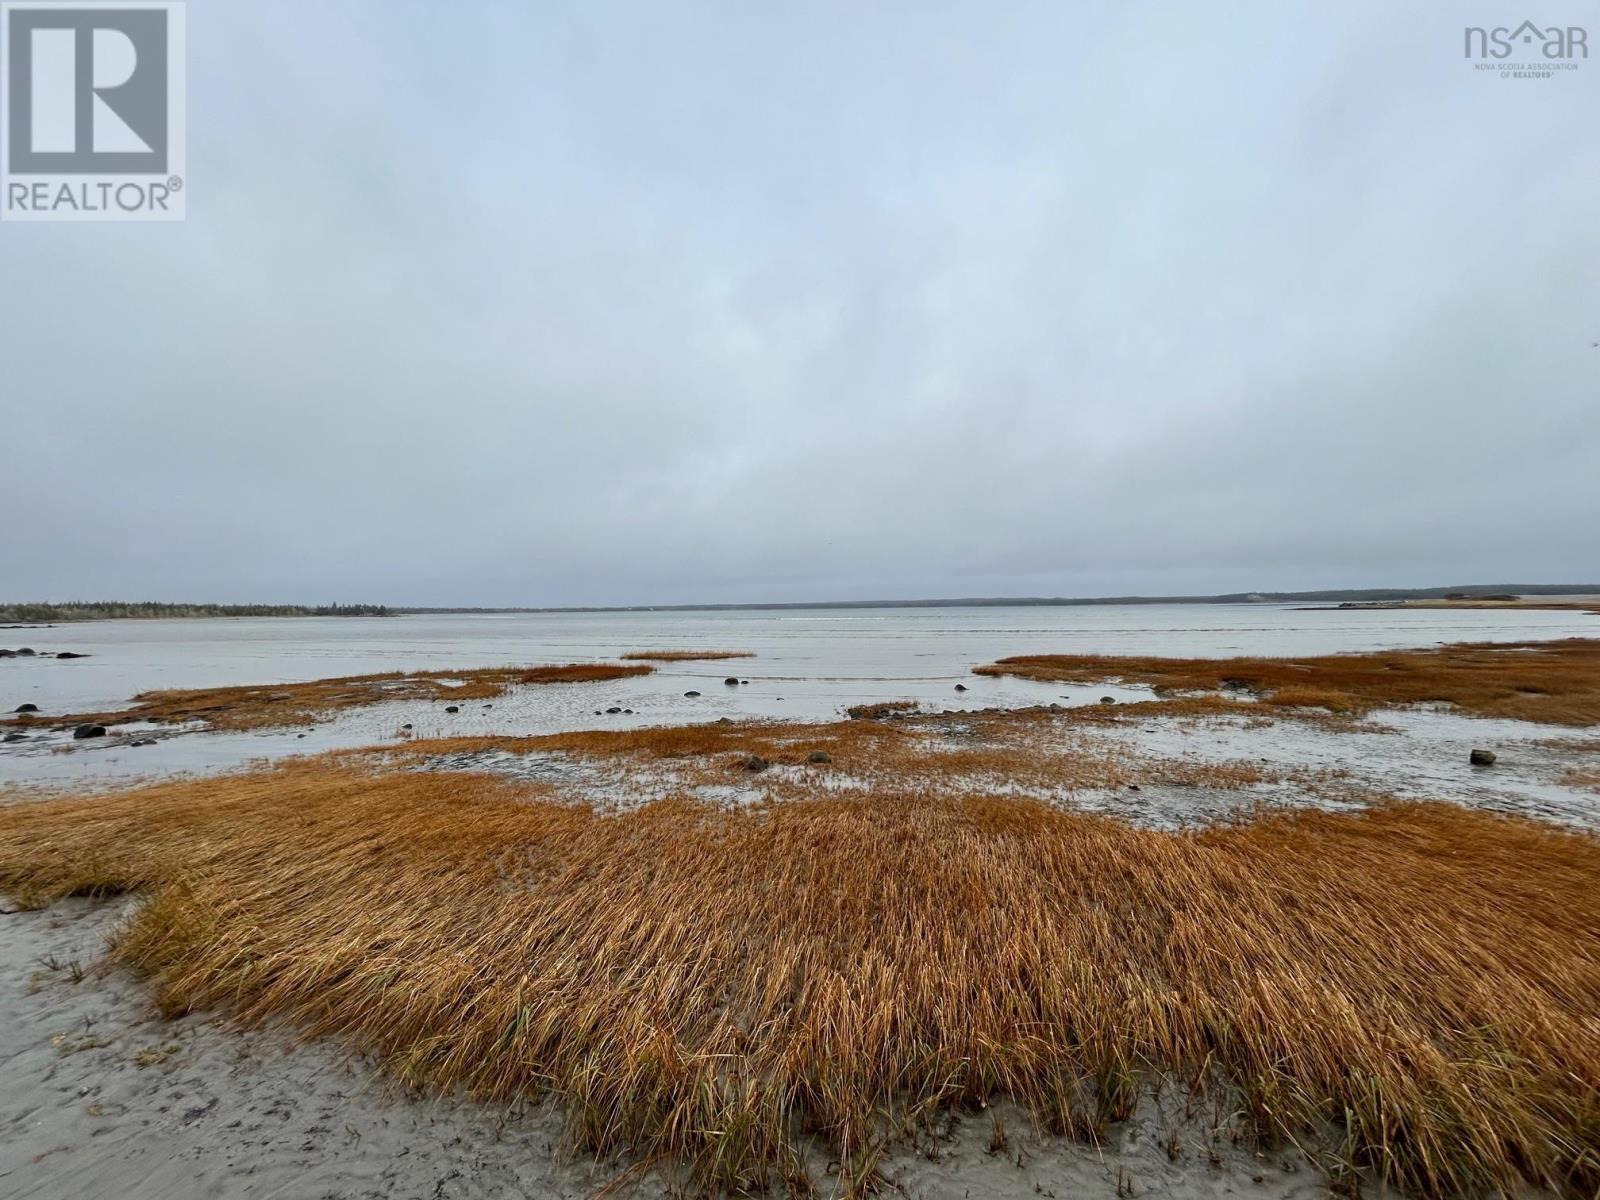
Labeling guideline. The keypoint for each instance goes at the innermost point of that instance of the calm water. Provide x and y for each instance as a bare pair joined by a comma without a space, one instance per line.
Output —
808,664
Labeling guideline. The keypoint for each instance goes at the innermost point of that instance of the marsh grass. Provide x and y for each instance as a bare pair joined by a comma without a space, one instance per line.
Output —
707,988
1555,682
270,706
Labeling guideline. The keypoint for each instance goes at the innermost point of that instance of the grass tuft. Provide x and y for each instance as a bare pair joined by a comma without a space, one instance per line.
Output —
705,986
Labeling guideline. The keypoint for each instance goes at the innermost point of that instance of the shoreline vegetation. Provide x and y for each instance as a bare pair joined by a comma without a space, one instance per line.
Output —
280,705
1466,596
1556,682
896,927
1408,995
119,610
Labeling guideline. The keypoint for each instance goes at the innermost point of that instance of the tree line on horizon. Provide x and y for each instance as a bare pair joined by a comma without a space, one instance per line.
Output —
100,610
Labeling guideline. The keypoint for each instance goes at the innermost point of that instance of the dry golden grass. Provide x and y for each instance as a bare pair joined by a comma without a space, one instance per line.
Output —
684,655
1555,682
704,987
269,706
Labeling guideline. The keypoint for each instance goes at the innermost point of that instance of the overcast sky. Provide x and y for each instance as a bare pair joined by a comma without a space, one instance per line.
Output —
484,303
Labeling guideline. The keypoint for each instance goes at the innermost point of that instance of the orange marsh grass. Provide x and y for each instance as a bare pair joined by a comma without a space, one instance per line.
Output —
268,706
1557,682
705,987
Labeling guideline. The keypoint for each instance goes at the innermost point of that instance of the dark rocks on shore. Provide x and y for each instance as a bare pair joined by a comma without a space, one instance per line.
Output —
1482,758
744,681
26,708
1108,699
67,654
819,756
89,731
4,653
452,708
724,720
731,681
407,725
144,742
614,710
26,652
754,762
691,695
961,687
15,737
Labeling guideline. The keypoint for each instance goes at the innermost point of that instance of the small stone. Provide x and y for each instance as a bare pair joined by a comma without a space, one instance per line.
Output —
731,681
1108,699
613,710
407,725
724,720
26,652
819,756
1134,787
16,737
26,708
89,731
67,654
754,762
691,695
1482,758
452,708
961,687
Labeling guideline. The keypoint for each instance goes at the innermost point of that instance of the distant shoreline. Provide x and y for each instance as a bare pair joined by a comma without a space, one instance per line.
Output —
1455,596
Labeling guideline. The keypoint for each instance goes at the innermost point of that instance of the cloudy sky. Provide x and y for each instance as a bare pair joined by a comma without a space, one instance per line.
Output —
484,303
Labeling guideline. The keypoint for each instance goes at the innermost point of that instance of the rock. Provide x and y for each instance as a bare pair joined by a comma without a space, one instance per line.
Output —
613,710
754,762
691,695
89,731
731,681
299,735
627,712
144,742
1482,758
961,687
1134,787
7,653
16,737
21,708
1108,699
70,654
724,720
407,725
819,756
744,681
26,652
452,708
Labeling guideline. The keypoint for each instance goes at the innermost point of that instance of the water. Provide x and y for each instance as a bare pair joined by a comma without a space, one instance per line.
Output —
808,664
